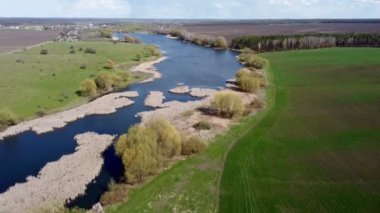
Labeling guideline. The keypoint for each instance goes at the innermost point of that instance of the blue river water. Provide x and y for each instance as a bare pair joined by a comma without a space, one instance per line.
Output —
27,153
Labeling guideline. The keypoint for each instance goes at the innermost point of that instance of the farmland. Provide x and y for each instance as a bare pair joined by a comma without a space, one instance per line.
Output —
12,40
34,83
317,149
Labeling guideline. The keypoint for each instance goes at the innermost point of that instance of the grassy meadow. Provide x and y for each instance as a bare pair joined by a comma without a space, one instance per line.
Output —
31,82
314,149
317,149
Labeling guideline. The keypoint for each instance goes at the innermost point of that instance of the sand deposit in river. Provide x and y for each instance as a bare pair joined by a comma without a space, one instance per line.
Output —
181,89
184,115
148,67
61,180
104,105
155,99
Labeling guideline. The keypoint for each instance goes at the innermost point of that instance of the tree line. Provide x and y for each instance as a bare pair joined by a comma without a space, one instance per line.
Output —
306,41
218,42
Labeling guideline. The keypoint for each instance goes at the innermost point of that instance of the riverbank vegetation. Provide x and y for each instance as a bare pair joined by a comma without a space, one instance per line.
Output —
202,40
33,83
147,148
228,104
305,41
7,118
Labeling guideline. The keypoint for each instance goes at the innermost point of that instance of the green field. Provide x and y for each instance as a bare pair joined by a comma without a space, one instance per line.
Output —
31,82
318,148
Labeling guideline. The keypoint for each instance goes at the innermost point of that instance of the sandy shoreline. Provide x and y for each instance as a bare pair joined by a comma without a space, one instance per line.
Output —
60,180
104,105
148,67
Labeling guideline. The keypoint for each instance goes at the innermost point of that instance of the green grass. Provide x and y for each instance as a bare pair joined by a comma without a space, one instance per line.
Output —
49,82
318,148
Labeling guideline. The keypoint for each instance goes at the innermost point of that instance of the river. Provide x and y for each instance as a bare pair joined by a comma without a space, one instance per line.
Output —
25,154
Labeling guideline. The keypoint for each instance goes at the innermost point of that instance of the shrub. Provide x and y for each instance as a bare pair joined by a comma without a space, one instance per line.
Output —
193,145
197,40
202,125
116,193
7,118
72,51
104,81
153,51
41,112
228,104
110,64
138,57
220,42
168,137
83,66
130,39
251,60
90,50
80,49
44,52
87,88
138,150
247,80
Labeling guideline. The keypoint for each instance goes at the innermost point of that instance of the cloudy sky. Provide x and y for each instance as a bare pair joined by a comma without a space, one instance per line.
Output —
222,9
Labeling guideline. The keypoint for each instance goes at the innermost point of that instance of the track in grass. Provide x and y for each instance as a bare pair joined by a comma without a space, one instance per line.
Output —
318,149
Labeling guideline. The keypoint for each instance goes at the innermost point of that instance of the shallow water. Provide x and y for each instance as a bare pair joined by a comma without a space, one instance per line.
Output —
25,154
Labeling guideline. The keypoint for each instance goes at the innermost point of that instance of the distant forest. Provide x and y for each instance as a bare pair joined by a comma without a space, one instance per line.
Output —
307,41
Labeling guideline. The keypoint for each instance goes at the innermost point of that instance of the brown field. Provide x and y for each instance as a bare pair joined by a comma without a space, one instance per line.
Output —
232,30
12,40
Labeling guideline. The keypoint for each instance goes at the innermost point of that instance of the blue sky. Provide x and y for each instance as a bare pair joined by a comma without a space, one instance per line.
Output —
222,9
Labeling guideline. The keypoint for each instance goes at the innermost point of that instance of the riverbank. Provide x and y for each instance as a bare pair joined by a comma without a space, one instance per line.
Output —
106,104
149,68
61,180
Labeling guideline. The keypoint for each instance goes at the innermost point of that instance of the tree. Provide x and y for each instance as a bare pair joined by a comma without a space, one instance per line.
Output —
106,33
192,145
129,39
90,50
168,137
87,88
220,42
138,150
228,104
104,81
